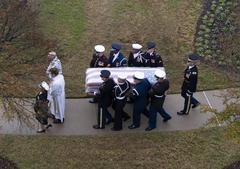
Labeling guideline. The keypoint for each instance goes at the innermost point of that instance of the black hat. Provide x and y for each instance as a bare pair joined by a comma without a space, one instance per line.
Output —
116,46
193,57
151,44
105,73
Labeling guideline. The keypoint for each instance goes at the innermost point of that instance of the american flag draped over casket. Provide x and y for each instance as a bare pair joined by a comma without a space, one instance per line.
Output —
93,80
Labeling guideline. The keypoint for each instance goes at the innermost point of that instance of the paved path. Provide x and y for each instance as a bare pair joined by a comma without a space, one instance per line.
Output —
81,115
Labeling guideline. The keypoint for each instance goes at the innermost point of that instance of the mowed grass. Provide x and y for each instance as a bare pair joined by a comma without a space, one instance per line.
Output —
78,25
197,149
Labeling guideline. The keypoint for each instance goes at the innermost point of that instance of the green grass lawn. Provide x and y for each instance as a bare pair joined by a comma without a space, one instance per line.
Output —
78,25
197,149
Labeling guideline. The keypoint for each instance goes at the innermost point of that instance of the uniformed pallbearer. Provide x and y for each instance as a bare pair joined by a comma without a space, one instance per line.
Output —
153,59
104,96
157,94
99,59
136,57
189,85
116,58
140,97
121,90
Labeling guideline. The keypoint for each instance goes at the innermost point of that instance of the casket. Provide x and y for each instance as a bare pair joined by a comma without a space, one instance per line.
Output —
93,80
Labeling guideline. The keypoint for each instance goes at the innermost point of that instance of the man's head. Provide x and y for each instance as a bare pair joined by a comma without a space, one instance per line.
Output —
54,72
160,75
122,78
51,55
116,47
192,59
105,74
138,77
99,49
136,47
151,46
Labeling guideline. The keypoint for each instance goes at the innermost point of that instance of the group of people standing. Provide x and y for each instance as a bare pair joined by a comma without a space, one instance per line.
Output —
141,93
50,101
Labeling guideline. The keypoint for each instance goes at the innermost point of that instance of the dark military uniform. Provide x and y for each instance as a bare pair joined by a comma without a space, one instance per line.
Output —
120,99
136,60
157,95
104,101
189,86
120,61
98,61
140,97
153,60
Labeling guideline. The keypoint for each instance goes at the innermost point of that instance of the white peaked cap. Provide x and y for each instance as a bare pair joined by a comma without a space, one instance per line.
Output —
160,73
99,48
136,46
139,75
122,76
52,53
44,85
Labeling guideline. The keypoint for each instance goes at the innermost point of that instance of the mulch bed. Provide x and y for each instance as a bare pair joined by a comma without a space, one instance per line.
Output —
6,164
235,165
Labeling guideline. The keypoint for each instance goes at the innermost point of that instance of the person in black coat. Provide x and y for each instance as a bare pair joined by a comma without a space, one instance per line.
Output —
99,59
121,90
157,94
189,85
152,58
104,97
136,57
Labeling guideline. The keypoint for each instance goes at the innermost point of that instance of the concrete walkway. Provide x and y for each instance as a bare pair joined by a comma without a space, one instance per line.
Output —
81,115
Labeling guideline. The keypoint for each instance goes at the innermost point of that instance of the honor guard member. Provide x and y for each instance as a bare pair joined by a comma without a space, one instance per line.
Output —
153,59
140,97
157,94
104,97
99,59
54,63
136,57
116,58
121,90
189,85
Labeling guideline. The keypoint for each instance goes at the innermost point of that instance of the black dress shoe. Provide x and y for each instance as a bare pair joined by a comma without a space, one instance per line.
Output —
97,127
133,126
149,129
114,129
166,119
195,105
57,121
182,113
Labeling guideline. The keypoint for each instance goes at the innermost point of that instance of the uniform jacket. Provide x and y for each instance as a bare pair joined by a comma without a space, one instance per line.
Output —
137,61
105,92
121,90
190,83
120,61
99,61
140,92
158,92
153,60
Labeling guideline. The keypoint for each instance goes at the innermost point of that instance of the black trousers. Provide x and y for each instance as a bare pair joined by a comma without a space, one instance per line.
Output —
119,113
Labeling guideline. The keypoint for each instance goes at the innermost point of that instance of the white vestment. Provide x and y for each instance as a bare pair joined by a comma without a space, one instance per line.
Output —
57,92
55,63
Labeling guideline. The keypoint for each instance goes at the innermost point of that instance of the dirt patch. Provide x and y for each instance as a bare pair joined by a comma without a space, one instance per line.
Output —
235,165
6,164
